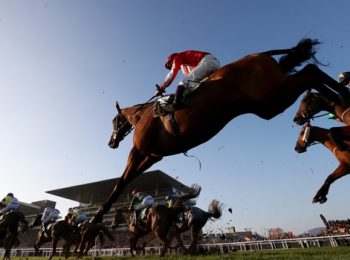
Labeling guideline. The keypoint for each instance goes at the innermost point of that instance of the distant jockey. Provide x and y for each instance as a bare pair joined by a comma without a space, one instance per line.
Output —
9,203
78,216
142,201
49,216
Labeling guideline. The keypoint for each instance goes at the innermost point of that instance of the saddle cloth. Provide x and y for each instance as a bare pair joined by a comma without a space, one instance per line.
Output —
164,104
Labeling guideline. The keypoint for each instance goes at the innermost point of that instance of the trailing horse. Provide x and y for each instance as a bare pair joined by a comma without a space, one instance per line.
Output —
54,233
89,232
10,224
159,220
313,102
195,220
308,136
255,84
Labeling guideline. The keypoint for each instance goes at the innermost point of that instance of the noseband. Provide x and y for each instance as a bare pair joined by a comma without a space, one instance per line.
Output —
123,130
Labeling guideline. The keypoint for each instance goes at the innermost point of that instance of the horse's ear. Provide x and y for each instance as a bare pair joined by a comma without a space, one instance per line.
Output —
118,107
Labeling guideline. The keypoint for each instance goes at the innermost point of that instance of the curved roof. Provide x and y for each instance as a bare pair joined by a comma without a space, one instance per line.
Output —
97,192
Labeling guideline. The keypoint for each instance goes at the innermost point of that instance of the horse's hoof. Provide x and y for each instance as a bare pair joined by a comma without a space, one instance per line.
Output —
319,199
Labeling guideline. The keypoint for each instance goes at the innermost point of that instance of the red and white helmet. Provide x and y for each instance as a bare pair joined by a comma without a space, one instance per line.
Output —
169,61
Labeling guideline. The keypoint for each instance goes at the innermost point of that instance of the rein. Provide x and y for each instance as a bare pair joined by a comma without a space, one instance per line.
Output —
141,106
313,117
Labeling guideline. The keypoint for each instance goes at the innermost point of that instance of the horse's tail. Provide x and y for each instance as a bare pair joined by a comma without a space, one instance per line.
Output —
303,51
214,209
106,232
194,192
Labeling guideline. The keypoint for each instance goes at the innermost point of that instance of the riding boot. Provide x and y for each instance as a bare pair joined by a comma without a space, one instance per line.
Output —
178,96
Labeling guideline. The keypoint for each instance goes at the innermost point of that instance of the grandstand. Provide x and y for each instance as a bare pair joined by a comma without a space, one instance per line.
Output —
92,195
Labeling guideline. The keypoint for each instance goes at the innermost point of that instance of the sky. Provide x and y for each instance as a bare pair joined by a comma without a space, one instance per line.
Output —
63,64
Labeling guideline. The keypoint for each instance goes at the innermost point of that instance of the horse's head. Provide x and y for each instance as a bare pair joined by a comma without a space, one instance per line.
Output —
118,218
23,226
36,221
309,106
121,128
304,140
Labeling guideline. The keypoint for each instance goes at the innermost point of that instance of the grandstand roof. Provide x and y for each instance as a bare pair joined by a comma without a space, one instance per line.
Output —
28,209
99,191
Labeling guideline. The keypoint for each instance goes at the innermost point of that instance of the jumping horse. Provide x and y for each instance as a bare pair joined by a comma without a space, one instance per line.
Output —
312,134
312,103
256,84
10,224
159,220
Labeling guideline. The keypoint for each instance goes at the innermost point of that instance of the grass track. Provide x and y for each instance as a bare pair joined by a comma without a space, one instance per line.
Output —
325,253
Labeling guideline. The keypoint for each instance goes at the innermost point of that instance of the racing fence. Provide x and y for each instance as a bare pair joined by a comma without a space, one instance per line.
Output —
280,244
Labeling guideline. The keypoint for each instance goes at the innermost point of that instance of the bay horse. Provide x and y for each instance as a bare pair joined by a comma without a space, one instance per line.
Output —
10,224
55,232
195,220
159,220
256,84
89,232
312,134
313,102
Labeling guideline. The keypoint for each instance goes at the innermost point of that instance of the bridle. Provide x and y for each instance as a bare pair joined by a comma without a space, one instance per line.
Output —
306,137
308,114
119,130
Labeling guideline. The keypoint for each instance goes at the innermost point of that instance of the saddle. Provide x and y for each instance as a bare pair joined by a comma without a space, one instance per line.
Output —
143,213
140,217
3,216
182,218
164,106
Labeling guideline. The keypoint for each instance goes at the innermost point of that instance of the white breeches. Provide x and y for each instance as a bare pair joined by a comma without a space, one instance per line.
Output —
147,202
49,217
206,66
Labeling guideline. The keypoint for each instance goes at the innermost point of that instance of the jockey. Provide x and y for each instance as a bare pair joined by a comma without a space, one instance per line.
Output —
49,216
9,203
344,79
169,201
195,65
144,200
78,216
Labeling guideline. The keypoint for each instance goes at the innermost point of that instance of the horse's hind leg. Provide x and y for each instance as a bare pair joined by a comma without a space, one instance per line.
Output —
54,247
193,246
325,84
163,236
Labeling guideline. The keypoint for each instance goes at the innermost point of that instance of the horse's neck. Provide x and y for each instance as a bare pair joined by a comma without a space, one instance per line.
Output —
325,103
134,114
322,135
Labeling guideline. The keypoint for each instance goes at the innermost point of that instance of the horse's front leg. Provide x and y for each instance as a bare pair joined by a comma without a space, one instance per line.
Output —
342,170
137,163
133,242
